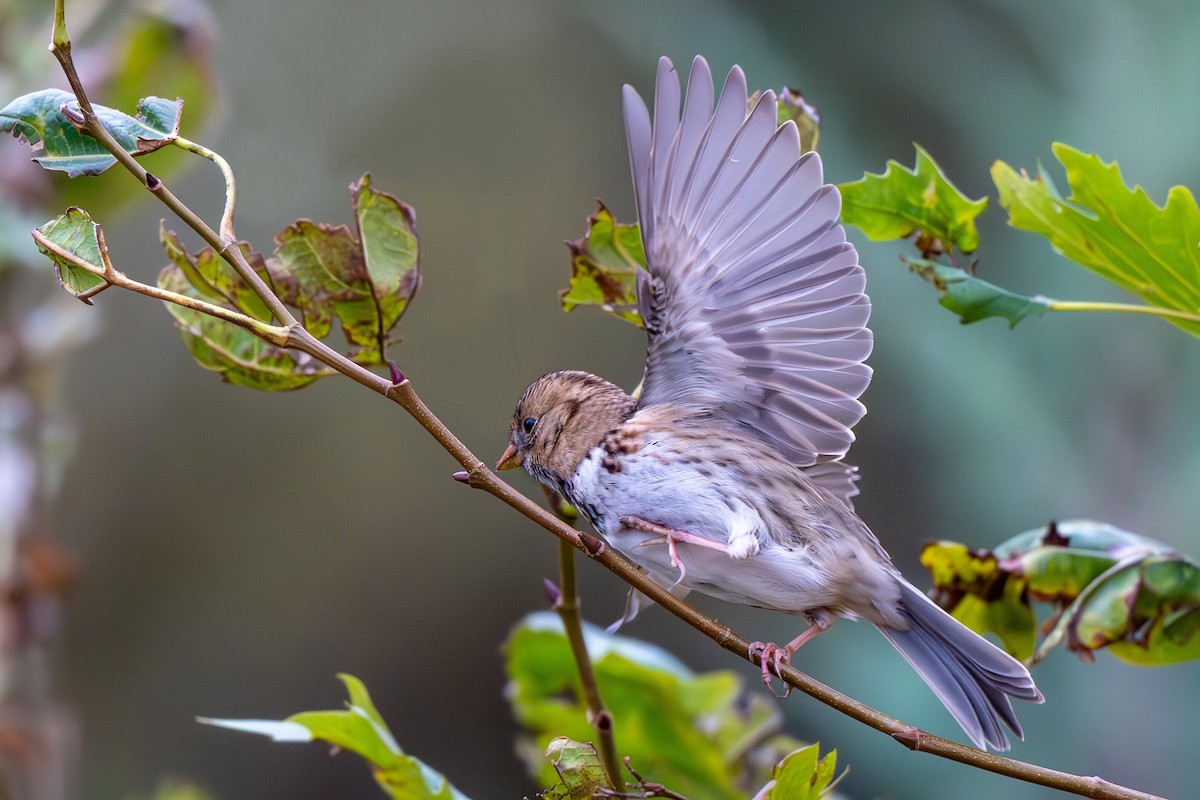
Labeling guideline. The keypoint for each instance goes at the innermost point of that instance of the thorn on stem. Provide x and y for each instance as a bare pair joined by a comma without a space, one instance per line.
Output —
397,376
461,476
152,182
553,593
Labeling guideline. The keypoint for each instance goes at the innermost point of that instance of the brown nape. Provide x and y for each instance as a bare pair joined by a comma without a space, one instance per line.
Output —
573,411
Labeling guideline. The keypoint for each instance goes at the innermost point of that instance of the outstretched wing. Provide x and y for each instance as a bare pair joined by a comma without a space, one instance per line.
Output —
753,300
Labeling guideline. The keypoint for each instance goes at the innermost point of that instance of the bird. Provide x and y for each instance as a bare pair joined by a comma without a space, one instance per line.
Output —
725,475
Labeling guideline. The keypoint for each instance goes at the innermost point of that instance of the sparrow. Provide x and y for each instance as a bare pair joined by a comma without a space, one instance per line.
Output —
726,475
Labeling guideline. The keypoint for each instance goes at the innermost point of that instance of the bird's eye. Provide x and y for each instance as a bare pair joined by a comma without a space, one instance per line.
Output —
527,424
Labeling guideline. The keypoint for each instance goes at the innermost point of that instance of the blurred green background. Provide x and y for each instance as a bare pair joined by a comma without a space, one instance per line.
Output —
240,548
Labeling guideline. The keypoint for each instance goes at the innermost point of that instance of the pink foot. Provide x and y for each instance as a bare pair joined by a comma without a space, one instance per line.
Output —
770,656
672,539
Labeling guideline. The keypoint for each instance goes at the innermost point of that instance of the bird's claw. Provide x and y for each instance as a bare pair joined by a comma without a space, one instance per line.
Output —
770,656
672,550
671,538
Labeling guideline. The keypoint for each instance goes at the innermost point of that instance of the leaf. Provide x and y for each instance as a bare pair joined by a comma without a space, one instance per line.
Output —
275,730
315,265
175,789
387,229
982,596
1112,230
1145,609
169,45
365,281
240,357
974,299
696,734
604,265
361,730
579,770
793,106
51,118
801,775
902,201
76,246
1110,588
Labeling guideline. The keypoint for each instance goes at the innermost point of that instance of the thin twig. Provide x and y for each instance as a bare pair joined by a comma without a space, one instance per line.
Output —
480,477
60,46
648,789
227,232
567,606
113,277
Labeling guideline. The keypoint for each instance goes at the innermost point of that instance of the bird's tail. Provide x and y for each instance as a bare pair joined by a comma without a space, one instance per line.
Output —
973,678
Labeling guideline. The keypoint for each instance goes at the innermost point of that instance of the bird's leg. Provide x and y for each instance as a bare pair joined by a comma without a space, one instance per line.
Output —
637,523
772,655
671,537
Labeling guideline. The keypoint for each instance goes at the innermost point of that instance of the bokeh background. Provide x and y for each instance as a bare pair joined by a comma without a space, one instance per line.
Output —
239,548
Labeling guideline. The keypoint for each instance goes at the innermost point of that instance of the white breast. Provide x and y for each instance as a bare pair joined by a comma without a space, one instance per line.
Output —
699,500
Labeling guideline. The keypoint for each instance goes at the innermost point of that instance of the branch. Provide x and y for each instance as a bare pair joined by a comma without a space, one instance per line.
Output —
480,477
60,46
567,606
113,277
400,391
648,790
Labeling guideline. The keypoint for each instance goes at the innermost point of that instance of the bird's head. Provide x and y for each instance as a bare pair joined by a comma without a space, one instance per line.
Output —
560,417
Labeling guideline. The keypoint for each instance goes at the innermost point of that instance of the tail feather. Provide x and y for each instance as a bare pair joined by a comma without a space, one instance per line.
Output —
973,678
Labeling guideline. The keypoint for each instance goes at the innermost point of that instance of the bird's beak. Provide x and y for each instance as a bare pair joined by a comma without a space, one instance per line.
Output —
510,458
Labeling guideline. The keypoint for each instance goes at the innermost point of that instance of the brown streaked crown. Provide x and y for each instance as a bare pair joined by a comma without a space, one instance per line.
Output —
571,412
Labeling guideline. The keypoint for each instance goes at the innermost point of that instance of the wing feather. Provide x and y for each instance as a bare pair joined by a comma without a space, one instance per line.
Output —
753,300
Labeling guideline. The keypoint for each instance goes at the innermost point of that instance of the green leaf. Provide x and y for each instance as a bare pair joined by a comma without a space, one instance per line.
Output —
1007,615
793,106
240,357
152,46
1112,230
902,201
1110,588
604,265
1145,609
1079,535
974,299
579,770
361,730
51,117
315,265
76,246
801,775
697,734
972,586
387,229
175,789
364,280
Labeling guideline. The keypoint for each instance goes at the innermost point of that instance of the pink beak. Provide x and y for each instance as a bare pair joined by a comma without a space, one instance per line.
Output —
510,458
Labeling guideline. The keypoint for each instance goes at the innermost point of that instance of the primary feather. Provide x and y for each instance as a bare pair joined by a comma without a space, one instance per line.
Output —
753,300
